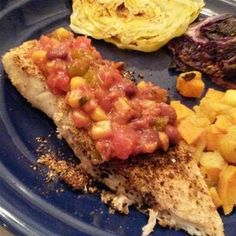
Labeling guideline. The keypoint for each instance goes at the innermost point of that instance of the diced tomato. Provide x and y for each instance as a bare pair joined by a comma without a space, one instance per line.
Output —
159,94
80,119
90,105
60,51
56,65
122,118
101,96
148,141
124,141
143,122
122,112
95,54
58,82
46,43
150,111
106,99
82,43
109,76
152,92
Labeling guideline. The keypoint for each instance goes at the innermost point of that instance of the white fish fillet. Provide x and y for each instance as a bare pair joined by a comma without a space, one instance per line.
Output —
169,184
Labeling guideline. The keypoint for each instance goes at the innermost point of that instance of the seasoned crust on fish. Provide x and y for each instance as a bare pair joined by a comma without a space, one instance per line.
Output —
169,184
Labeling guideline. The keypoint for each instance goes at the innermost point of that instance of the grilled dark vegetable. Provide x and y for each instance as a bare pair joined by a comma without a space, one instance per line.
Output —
209,46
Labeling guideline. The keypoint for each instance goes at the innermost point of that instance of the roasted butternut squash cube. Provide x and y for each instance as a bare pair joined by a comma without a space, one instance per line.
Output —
227,188
213,136
199,121
211,164
223,122
232,131
227,147
200,147
215,197
181,110
190,84
214,95
212,109
184,129
230,97
232,114
199,112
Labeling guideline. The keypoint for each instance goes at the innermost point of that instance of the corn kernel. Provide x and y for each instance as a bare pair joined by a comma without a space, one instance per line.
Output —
76,82
98,114
50,65
73,98
39,55
149,104
141,85
61,34
101,129
122,105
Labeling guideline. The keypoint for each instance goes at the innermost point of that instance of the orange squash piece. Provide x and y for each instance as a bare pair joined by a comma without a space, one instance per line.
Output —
223,122
181,110
215,197
212,163
227,188
214,95
189,132
213,136
232,113
190,84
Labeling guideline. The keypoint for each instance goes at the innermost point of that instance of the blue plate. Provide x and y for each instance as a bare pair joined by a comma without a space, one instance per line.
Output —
29,205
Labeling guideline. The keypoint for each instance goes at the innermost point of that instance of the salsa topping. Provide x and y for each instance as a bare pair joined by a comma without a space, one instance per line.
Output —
123,118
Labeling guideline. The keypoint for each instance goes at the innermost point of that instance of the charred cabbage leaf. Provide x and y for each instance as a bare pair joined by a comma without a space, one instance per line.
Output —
144,25
209,46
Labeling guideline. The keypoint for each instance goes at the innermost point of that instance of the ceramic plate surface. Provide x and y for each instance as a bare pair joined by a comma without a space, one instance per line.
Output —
29,205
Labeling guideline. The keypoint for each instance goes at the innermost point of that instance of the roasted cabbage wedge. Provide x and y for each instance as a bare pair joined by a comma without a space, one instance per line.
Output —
143,25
